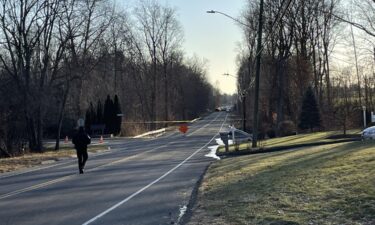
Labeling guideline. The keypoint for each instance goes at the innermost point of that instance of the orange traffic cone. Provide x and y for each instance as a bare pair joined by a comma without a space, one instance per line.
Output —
66,140
101,140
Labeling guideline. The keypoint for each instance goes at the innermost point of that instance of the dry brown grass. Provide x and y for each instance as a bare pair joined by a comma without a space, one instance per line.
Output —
35,159
320,185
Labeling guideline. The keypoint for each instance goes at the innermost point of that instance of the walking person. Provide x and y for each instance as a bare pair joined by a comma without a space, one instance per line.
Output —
80,141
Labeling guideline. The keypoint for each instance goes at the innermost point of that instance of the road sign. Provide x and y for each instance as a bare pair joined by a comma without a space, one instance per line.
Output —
183,128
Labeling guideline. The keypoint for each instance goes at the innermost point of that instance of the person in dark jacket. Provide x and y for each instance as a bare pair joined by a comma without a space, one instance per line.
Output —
80,141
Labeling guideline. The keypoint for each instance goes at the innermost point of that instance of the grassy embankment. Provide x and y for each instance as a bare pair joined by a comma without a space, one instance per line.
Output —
49,156
329,184
318,137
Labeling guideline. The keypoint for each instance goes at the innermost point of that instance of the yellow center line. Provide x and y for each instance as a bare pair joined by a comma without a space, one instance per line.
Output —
38,186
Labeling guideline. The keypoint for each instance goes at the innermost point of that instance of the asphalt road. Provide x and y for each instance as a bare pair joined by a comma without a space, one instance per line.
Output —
137,182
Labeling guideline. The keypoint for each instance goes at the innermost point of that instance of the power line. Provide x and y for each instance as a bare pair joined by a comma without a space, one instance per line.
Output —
342,60
267,38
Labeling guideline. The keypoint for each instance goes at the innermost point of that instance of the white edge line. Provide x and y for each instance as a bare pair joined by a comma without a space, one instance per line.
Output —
29,170
206,125
37,186
152,183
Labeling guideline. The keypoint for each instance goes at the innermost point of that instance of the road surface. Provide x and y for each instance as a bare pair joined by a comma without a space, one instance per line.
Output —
137,182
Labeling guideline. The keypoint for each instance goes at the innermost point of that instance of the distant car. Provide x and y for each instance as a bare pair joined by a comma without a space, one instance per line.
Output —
368,133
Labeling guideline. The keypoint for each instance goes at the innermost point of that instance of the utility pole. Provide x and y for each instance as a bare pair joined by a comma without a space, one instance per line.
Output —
257,73
356,66
244,112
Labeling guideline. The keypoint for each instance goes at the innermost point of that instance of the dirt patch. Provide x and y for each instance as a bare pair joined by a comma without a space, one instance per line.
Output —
36,159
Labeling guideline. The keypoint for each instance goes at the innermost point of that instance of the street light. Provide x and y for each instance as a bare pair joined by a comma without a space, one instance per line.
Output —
230,17
257,70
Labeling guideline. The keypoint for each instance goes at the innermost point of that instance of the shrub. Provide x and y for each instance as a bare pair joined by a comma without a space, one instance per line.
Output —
310,115
286,128
271,133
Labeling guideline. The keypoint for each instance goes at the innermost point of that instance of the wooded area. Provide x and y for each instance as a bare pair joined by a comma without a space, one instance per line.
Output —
299,51
59,60
58,56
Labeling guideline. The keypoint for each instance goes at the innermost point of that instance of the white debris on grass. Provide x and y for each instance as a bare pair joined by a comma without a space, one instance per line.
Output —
221,143
214,148
212,152
182,213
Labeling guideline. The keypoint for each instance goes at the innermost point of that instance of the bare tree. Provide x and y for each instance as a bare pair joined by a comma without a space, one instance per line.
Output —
297,54
365,16
279,47
149,16
168,45
56,56
160,33
27,34
85,28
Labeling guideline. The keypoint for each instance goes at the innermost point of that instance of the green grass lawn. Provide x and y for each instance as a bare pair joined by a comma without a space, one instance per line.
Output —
292,140
330,184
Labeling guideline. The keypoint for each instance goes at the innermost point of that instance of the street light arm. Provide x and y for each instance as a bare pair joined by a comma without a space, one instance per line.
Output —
241,92
230,17
230,75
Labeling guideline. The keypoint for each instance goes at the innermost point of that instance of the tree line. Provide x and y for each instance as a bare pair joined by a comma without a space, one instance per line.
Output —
299,40
99,120
58,56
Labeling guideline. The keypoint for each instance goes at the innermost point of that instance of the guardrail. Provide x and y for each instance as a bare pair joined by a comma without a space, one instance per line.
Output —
150,133
163,130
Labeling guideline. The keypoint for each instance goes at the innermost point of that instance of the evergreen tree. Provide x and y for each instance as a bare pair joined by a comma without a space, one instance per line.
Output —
88,120
92,113
108,115
99,113
117,119
310,116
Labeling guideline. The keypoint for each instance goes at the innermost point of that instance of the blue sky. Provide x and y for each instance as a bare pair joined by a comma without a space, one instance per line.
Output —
213,37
